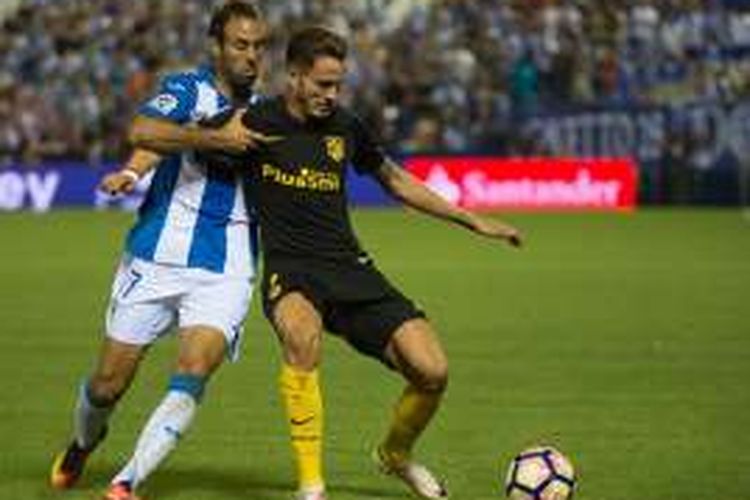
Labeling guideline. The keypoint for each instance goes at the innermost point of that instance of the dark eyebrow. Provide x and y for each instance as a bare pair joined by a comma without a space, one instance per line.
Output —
261,40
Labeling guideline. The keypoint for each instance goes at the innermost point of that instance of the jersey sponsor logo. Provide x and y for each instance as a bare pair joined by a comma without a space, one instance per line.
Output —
306,178
335,147
164,103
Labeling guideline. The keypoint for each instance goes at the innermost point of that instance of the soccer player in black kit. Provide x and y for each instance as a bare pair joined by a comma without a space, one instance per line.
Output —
316,275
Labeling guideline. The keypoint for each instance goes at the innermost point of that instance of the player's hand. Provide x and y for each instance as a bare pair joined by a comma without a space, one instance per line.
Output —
120,182
236,138
493,228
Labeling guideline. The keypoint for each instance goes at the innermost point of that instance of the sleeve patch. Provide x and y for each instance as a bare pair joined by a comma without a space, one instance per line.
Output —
163,103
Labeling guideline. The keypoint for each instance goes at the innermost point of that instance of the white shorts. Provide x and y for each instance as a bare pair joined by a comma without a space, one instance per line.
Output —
149,298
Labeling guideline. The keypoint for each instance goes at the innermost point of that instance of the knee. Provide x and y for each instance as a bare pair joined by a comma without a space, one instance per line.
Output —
301,339
429,376
300,330
202,350
302,349
297,328
200,360
434,377
416,352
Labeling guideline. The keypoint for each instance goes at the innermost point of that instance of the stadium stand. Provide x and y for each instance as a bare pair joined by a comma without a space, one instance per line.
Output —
443,75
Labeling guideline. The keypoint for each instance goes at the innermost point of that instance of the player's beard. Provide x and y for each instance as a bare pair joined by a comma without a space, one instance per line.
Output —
320,109
242,85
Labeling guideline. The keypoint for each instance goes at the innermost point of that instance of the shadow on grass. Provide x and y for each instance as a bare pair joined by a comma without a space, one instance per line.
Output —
233,482
167,482
244,483
183,481
366,492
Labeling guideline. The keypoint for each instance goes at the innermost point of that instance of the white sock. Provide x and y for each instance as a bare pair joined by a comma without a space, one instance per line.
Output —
166,425
89,420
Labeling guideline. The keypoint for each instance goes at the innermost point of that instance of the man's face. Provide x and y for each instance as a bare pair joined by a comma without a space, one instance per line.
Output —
318,88
240,51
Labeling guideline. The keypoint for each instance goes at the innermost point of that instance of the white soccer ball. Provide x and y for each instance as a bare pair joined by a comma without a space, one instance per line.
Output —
540,473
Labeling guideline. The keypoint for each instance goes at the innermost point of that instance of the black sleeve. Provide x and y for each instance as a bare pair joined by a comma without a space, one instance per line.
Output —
368,154
219,119
250,116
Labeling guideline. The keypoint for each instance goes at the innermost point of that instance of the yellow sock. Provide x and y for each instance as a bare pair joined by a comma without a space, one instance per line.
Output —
304,407
412,413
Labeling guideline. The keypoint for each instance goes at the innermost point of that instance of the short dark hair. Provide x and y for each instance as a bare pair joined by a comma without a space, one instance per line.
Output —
230,9
312,42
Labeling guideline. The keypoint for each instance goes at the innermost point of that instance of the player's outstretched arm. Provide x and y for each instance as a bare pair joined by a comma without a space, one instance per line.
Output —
123,181
229,135
407,189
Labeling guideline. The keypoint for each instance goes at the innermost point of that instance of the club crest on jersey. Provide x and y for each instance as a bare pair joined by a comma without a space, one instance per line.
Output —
335,147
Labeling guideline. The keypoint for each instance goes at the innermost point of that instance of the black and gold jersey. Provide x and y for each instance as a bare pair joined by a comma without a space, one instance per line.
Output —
298,184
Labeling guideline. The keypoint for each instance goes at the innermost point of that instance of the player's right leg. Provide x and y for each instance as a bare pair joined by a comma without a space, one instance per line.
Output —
211,309
202,350
97,397
299,327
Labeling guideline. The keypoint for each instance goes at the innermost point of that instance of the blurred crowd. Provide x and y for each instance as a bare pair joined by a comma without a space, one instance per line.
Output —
428,74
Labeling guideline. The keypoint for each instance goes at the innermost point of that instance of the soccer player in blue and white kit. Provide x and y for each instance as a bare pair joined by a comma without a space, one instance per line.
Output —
189,261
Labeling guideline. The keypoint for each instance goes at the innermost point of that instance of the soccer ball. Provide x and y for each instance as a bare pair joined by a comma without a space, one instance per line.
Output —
541,473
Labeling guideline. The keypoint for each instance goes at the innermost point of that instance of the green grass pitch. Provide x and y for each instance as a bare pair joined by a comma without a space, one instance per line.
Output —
624,339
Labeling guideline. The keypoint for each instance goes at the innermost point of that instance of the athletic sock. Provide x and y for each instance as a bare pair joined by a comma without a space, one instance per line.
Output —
167,424
412,413
304,407
91,416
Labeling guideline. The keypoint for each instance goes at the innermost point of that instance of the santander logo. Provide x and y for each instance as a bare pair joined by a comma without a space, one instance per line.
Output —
563,183
480,190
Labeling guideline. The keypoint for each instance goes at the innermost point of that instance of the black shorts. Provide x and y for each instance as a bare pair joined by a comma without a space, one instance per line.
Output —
354,299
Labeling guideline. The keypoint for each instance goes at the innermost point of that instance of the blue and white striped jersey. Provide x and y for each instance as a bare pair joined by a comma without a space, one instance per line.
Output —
193,216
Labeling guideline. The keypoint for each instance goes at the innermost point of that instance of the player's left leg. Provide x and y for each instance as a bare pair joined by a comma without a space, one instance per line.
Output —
299,327
202,350
97,396
415,351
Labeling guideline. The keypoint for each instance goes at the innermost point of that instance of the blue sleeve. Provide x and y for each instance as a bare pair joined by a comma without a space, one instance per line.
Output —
174,101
